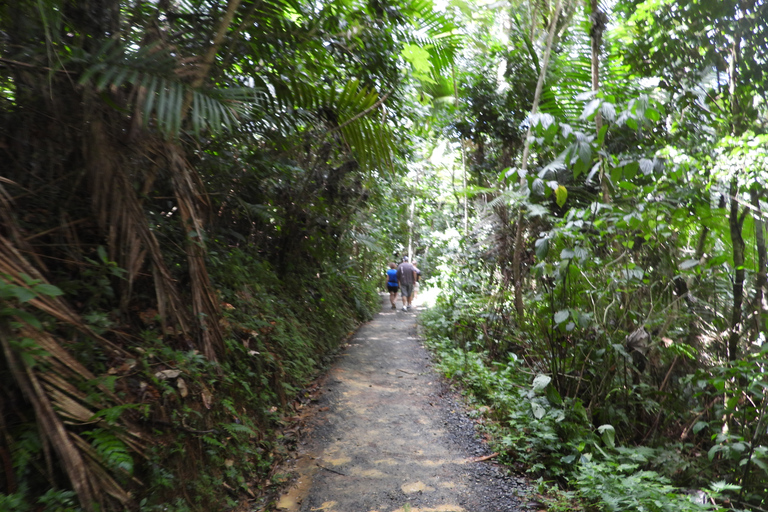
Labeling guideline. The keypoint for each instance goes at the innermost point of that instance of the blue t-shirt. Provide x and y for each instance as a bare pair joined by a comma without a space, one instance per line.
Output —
392,277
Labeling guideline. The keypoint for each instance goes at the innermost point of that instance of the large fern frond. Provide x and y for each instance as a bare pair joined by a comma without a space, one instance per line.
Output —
159,91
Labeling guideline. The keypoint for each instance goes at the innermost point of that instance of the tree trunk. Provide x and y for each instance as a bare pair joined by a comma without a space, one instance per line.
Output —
735,222
519,242
598,20
762,260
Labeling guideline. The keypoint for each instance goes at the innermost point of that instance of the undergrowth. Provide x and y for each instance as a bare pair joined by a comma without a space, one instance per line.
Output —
534,429
209,431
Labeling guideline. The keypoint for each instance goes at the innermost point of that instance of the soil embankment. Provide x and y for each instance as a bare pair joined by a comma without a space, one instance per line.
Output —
387,435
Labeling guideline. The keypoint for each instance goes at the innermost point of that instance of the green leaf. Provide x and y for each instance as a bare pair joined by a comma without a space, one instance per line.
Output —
553,396
646,166
561,316
590,109
542,248
24,316
630,170
713,451
561,195
616,174
722,485
48,289
601,134
540,382
652,114
689,264
23,294
608,434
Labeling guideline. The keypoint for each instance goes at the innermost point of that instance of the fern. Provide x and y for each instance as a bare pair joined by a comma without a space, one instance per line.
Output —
234,428
111,449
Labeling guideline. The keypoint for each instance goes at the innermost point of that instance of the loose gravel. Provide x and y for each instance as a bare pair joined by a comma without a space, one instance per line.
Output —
385,433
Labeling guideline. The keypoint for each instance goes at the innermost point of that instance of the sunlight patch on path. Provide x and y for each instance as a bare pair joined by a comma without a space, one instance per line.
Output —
416,487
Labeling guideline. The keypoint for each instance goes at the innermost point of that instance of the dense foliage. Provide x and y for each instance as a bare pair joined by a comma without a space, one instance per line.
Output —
189,199
607,305
197,198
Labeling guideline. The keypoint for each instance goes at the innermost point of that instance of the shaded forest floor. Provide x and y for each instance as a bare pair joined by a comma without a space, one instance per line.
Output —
385,433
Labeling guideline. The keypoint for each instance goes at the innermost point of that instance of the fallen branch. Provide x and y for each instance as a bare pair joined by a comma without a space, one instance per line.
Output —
331,470
487,457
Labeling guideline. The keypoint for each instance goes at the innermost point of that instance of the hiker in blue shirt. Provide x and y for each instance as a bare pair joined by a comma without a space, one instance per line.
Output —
392,286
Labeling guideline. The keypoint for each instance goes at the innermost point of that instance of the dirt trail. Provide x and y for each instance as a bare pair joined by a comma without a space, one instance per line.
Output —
387,436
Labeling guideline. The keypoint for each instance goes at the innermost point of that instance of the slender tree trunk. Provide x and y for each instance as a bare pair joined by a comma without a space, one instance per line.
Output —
410,230
693,326
517,256
598,20
762,260
463,158
736,221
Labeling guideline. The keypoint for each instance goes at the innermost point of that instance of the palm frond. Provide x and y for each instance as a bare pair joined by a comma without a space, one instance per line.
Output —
350,110
159,89
204,301
435,33
120,214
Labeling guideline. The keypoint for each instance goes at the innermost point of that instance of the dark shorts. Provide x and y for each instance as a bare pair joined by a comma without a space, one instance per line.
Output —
406,290
392,288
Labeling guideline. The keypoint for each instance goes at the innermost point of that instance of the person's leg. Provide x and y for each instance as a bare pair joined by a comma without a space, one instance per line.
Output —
406,294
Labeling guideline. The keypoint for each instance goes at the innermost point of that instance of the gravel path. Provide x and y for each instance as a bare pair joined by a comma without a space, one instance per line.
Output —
386,434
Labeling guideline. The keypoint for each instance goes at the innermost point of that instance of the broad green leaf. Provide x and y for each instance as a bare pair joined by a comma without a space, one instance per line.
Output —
630,170
590,109
646,166
601,134
652,114
561,316
689,264
23,294
553,396
561,195
542,247
616,174
418,57
48,289
540,382
608,433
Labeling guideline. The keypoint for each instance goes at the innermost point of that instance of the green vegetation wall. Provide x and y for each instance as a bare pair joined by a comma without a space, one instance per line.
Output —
189,228
606,302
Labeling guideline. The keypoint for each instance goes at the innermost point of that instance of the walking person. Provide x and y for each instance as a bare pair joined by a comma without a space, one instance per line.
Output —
392,286
406,278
